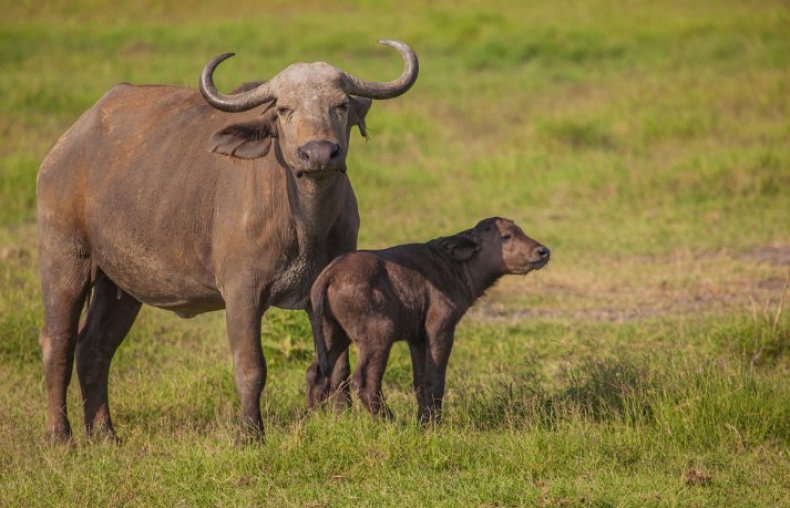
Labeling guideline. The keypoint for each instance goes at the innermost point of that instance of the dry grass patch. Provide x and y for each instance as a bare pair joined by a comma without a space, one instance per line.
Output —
640,287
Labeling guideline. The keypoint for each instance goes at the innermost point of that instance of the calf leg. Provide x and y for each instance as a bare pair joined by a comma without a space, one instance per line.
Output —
437,355
368,377
339,389
65,279
109,319
317,386
333,388
321,386
417,350
317,381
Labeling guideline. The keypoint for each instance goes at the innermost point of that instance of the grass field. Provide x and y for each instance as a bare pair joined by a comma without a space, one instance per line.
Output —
647,143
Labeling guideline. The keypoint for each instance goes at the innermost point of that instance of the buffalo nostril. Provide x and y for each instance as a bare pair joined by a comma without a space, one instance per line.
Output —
542,252
318,153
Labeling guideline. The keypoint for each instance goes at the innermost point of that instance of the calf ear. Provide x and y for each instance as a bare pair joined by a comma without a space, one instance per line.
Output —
460,247
359,108
248,140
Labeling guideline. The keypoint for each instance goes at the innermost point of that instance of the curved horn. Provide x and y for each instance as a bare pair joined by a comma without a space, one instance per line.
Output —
390,89
231,103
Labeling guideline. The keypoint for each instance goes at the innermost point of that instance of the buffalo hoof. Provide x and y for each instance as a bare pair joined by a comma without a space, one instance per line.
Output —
244,439
103,436
250,435
60,435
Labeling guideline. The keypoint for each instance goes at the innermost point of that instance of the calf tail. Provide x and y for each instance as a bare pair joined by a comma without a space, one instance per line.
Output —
318,297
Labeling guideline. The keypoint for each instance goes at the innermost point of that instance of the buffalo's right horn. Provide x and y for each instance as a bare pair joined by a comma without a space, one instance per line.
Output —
390,89
231,103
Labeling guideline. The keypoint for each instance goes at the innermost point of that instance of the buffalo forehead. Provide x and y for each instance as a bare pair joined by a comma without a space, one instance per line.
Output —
308,76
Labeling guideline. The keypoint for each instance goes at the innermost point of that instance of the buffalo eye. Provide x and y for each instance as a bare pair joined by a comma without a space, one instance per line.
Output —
342,107
284,111
507,236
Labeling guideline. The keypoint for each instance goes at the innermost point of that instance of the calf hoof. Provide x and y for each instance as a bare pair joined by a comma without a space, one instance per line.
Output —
386,414
340,401
428,421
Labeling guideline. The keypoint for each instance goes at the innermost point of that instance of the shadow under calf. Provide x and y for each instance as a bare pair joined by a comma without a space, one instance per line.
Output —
414,292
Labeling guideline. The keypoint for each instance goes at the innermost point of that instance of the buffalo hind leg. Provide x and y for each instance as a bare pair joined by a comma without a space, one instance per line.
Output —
65,279
109,319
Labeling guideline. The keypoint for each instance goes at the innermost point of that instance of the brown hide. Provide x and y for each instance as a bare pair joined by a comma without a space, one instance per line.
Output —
176,226
155,196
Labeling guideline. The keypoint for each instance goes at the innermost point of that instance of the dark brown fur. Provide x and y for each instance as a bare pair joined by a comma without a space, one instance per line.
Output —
415,292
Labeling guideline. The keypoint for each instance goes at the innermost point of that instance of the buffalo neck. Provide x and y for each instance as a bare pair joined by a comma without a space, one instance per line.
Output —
315,203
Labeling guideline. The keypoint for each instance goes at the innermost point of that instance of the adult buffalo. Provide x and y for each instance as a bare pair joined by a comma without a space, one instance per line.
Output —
157,195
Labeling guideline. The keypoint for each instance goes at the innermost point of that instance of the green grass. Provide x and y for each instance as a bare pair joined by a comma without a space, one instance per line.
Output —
646,143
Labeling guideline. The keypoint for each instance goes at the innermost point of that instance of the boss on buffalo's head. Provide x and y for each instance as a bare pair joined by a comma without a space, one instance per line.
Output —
311,110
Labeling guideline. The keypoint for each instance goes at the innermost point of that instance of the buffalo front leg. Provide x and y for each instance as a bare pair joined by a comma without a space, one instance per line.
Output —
243,319
109,319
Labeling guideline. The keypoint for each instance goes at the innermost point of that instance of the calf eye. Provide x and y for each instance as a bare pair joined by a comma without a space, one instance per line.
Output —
507,236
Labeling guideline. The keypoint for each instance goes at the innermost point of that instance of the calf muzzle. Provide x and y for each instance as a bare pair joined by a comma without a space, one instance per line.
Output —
540,256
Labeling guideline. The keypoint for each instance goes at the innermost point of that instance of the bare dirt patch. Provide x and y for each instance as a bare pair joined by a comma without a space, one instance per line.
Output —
696,477
641,287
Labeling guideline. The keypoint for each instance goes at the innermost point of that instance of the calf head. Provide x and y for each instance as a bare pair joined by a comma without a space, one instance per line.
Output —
310,111
497,246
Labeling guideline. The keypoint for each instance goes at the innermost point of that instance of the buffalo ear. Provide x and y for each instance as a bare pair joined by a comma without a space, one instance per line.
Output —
359,108
459,247
243,140
248,140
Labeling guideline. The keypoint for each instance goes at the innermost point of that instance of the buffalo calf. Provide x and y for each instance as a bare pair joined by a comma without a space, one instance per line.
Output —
414,292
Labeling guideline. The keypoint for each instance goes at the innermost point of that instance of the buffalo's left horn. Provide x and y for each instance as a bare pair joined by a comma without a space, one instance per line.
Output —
389,89
231,103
